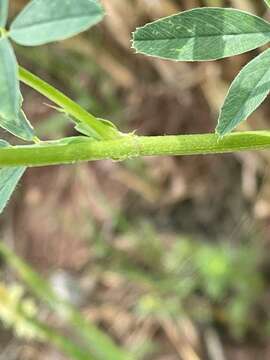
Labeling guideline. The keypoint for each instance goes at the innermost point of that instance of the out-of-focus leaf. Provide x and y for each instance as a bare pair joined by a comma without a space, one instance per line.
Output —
202,34
43,21
267,2
247,92
9,178
3,12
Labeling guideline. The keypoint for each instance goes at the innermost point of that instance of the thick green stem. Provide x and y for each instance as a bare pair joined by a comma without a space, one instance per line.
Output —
67,105
115,145
131,146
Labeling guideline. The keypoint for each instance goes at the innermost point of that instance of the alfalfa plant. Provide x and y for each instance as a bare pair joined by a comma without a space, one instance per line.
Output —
197,35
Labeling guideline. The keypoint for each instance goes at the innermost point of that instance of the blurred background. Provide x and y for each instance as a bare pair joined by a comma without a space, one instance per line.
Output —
169,257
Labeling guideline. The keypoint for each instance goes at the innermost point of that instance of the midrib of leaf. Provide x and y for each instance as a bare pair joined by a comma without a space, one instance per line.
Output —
203,36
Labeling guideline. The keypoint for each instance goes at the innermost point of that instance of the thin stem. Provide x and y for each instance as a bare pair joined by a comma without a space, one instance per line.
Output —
130,146
67,105
61,342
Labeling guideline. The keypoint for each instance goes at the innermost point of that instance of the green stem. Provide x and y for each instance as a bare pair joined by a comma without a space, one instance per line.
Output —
67,105
63,343
130,146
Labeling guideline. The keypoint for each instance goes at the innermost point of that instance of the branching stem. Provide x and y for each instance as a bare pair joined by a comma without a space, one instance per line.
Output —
116,147
69,106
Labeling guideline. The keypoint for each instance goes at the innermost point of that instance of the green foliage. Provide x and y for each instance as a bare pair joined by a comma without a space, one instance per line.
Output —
195,35
267,2
41,22
46,21
247,92
202,34
214,33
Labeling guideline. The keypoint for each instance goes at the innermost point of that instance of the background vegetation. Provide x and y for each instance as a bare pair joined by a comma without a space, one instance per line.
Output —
168,256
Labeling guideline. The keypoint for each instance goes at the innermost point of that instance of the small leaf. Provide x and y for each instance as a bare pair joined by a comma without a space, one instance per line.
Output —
3,12
247,92
267,2
9,83
9,178
43,21
19,126
202,34
84,129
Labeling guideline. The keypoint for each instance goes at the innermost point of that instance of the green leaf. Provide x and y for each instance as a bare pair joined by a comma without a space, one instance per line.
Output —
12,118
9,83
247,92
202,34
19,126
43,21
9,177
3,12
267,2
